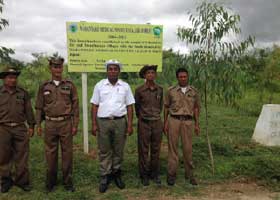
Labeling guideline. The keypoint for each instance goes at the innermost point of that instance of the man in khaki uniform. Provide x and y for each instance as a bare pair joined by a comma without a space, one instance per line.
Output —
148,106
15,111
181,107
57,104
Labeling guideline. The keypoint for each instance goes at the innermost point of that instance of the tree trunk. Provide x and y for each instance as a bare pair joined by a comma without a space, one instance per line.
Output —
206,121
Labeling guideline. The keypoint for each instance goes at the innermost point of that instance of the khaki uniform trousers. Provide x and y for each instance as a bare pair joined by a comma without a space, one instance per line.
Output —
111,140
184,129
14,147
59,132
149,142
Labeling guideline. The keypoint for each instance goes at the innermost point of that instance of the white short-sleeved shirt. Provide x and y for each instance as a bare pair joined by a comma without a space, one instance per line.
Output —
112,99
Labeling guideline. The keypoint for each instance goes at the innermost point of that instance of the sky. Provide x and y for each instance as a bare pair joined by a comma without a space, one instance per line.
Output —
40,26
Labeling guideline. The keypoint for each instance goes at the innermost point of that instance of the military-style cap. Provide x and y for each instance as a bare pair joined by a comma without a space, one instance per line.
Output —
146,68
56,61
113,62
9,70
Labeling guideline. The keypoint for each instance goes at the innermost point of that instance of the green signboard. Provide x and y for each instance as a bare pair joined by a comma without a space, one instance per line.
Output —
90,45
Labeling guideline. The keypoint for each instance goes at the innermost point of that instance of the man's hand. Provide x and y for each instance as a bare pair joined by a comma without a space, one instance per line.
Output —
39,131
129,130
197,129
74,131
165,129
31,132
94,129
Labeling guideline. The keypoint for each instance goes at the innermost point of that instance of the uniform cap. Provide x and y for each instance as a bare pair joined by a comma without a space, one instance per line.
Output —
146,68
56,61
9,70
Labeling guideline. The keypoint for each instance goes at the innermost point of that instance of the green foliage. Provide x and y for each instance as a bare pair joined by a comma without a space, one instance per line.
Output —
213,55
5,52
3,22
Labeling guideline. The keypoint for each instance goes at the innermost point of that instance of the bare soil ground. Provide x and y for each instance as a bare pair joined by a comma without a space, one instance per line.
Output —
236,190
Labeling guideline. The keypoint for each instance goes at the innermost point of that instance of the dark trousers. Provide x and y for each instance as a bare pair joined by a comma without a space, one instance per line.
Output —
59,132
149,142
14,148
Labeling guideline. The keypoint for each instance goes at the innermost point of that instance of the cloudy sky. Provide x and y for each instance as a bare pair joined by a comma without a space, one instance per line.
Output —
39,26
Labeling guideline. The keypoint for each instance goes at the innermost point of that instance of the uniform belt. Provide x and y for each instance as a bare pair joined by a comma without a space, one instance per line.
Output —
182,117
13,124
58,119
112,117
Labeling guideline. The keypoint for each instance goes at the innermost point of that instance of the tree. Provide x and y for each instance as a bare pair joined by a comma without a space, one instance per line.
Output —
4,52
215,52
271,73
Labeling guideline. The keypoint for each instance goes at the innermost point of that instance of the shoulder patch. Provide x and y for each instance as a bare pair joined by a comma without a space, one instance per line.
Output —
171,88
193,88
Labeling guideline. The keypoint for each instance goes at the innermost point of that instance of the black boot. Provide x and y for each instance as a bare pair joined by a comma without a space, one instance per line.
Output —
6,184
145,181
26,187
118,180
170,181
103,185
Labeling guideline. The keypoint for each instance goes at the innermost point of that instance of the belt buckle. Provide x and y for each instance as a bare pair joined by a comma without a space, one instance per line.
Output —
12,124
60,118
111,117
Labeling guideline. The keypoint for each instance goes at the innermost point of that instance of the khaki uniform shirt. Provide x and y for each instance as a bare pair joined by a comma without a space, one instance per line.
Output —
56,101
16,107
148,102
179,103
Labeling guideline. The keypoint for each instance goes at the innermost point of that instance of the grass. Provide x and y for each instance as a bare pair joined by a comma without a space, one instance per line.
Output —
235,155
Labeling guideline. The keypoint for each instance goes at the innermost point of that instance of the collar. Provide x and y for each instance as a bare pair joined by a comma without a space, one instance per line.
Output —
107,82
3,89
146,87
178,88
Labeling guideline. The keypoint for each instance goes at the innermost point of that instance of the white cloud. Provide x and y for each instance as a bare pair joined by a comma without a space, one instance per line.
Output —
39,26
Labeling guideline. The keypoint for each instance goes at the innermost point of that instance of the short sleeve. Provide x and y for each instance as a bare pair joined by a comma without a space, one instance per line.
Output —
129,97
95,99
167,99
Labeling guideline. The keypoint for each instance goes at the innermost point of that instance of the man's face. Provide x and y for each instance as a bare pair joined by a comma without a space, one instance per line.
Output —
10,80
56,70
182,79
150,75
113,71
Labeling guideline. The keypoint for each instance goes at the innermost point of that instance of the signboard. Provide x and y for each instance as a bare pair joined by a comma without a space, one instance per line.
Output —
90,45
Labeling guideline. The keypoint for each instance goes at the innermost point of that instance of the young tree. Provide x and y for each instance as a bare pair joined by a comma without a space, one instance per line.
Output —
4,52
215,52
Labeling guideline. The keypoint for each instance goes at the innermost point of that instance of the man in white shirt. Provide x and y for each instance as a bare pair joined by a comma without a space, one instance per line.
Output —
112,100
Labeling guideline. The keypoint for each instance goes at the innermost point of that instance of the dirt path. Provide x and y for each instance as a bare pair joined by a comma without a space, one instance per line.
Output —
229,191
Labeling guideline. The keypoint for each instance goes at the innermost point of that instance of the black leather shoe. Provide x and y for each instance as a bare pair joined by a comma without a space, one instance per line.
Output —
103,185
118,180
193,181
7,183
69,188
170,181
26,188
145,181
119,183
49,188
157,180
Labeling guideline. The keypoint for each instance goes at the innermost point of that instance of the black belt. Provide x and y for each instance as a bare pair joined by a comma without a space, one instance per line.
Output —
112,117
12,124
182,117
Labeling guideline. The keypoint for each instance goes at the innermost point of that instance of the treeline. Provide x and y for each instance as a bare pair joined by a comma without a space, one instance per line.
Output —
258,70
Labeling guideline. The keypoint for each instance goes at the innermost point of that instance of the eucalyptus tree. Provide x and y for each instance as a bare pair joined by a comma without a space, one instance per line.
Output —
215,50
4,52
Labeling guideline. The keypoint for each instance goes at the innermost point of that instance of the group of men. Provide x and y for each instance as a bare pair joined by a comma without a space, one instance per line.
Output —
112,120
